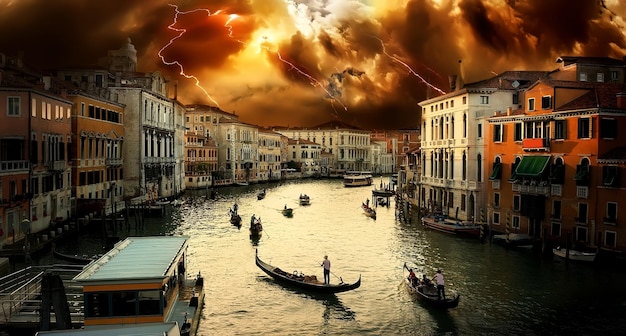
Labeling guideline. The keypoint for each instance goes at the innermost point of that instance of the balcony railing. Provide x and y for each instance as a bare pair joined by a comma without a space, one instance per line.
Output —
582,191
113,162
58,165
610,221
536,144
14,166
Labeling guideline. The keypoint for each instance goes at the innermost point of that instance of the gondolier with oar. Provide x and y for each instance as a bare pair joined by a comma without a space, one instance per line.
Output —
438,279
326,265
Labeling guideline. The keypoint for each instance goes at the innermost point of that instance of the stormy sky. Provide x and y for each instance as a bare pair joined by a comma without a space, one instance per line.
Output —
303,62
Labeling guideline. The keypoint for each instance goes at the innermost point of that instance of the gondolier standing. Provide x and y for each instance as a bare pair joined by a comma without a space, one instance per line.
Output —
326,265
438,278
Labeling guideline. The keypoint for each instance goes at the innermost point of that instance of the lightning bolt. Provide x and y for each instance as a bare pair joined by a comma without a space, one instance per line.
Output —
411,71
182,32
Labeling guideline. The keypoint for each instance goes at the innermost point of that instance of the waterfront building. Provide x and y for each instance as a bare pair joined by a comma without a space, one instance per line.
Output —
200,160
149,128
179,145
238,150
306,155
35,135
453,141
392,151
270,156
555,164
349,145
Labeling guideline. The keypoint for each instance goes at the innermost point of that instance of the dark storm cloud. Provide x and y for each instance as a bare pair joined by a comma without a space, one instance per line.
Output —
430,37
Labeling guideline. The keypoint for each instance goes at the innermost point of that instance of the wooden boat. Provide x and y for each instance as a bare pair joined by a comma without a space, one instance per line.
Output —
287,212
369,212
574,254
447,225
81,260
261,195
256,228
306,282
357,179
177,202
135,284
383,192
305,200
520,240
428,294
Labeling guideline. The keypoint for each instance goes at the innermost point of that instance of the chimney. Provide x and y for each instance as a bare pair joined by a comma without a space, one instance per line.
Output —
508,111
175,89
459,83
452,81
621,100
47,81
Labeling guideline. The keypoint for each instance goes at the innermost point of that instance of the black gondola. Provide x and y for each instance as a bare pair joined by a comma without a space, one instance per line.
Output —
261,195
81,260
428,294
307,282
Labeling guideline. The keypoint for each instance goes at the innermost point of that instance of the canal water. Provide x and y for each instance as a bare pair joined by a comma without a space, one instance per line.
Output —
503,292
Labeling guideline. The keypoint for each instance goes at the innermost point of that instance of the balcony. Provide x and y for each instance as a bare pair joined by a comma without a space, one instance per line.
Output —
113,162
536,144
58,165
14,166
535,189
582,191
495,184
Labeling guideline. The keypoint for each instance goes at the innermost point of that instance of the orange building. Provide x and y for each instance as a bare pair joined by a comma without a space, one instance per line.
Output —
554,165
35,133
200,160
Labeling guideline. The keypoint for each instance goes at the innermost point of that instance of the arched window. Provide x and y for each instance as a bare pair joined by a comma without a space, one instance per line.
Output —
479,168
464,163
465,125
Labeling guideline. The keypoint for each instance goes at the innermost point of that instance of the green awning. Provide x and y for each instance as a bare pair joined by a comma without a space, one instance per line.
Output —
513,177
497,168
532,166
581,172
610,174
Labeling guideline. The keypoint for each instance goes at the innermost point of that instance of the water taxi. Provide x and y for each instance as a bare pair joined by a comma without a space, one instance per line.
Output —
140,282
357,179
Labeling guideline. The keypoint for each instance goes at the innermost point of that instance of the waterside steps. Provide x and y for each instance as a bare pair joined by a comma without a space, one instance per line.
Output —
38,297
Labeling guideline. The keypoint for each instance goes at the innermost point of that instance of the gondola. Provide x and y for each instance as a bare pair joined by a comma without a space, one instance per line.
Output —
256,228
306,282
81,260
287,212
428,294
261,195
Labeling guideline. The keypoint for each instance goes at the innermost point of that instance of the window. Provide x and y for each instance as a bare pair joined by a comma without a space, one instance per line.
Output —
99,80
610,238
464,100
582,213
610,176
584,126
517,201
517,132
496,218
484,100
480,130
515,99
546,102
13,106
614,76
463,197
559,129
515,222
531,104
450,199
556,209
611,212
600,77
608,128
583,77
496,200
581,233
555,229
497,133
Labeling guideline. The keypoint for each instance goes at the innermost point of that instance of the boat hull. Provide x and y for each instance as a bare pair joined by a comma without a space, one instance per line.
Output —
575,255
451,227
431,298
308,284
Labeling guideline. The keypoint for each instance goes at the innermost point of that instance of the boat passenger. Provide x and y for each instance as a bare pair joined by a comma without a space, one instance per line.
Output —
412,277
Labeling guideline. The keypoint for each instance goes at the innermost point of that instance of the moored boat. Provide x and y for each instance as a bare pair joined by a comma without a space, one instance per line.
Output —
520,240
574,254
135,285
76,259
444,224
427,293
357,179
306,282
